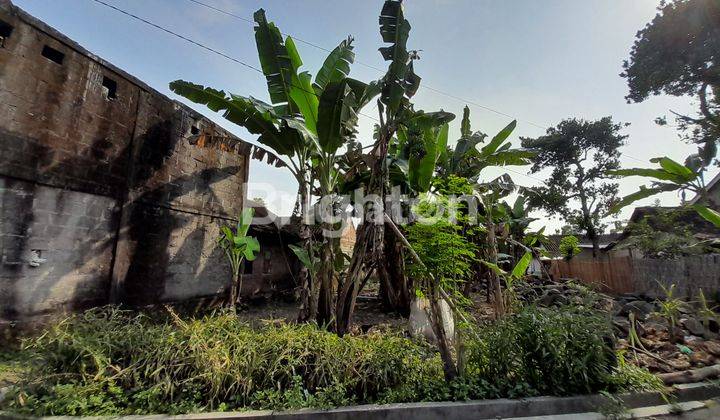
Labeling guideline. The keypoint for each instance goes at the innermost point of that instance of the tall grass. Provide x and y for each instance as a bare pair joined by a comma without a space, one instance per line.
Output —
108,361
215,362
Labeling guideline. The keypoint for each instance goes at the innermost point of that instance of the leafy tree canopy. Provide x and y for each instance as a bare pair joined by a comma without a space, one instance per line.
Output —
579,153
678,54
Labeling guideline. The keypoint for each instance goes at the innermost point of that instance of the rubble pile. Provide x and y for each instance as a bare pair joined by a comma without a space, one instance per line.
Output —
692,342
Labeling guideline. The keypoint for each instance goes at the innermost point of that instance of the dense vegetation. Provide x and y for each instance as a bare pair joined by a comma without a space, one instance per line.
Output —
107,361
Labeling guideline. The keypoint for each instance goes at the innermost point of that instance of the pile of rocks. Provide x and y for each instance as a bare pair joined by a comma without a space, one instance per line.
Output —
693,342
546,292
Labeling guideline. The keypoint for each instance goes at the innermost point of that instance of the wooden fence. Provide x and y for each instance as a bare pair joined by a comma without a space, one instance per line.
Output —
620,275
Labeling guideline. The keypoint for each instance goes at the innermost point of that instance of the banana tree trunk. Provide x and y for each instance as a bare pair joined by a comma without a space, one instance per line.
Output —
370,245
308,304
325,284
234,290
347,293
395,292
498,301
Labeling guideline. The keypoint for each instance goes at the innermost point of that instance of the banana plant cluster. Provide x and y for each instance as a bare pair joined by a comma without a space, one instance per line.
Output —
471,155
670,176
307,120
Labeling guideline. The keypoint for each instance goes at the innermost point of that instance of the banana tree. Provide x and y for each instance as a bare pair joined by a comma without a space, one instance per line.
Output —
670,176
337,115
489,194
397,86
518,272
238,247
515,222
471,155
289,123
469,158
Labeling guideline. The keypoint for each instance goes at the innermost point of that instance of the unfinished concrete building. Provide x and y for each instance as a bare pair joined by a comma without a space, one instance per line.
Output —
103,196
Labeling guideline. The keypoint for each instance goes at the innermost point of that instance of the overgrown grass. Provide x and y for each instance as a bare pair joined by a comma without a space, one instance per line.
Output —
107,361
12,367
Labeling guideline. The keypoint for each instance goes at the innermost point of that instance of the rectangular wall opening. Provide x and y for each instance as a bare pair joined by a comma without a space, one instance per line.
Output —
53,55
109,88
6,30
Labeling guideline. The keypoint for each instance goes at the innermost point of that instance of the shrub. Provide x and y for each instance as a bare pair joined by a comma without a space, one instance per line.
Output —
569,246
543,351
108,361
627,377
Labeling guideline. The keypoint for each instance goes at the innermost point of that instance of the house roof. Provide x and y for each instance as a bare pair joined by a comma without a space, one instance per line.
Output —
265,222
268,223
709,186
553,244
701,227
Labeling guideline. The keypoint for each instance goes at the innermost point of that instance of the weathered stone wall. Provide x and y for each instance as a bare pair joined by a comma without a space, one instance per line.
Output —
688,274
102,196
56,248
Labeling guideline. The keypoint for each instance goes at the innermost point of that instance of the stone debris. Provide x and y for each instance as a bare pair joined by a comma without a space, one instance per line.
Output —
692,343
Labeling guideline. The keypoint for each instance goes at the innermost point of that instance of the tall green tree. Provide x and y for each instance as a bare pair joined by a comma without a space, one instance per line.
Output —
306,121
580,153
678,54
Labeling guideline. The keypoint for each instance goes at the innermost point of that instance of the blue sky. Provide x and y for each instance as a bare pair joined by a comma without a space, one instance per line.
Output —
539,61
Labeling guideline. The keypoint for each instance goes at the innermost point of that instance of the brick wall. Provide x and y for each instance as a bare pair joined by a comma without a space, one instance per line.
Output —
103,198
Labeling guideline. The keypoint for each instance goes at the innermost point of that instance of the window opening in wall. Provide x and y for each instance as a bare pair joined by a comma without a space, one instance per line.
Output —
247,267
5,32
194,130
109,88
53,55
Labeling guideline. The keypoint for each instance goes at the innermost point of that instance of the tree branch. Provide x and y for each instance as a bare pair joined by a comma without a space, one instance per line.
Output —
704,105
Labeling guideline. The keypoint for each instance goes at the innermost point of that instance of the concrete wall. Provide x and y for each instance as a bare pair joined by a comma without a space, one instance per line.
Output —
689,274
102,196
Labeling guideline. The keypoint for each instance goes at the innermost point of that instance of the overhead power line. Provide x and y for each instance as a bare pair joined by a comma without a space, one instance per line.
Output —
370,66
254,68
203,46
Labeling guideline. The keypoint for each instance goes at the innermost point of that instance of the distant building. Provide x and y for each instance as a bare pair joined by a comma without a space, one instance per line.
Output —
552,247
713,188
702,230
